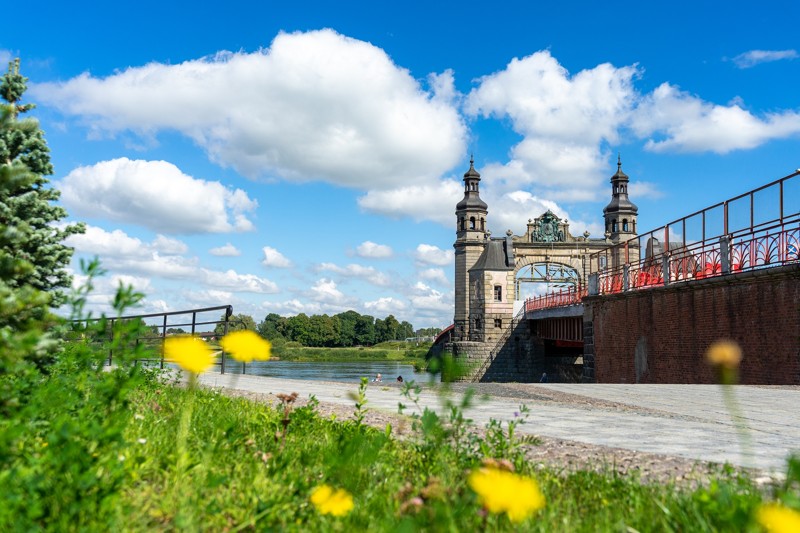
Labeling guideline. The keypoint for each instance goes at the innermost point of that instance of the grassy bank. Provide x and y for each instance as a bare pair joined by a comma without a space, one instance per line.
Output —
386,351
127,451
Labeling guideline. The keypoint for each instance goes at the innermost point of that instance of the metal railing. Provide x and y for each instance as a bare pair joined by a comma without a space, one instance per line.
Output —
172,320
561,298
757,229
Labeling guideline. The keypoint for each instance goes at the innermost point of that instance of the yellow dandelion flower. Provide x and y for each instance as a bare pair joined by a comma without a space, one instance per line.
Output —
500,491
191,353
776,518
246,346
337,502
725,354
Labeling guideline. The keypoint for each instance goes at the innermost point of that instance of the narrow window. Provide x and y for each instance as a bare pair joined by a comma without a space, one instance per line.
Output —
471,222
498,322
624,224
614,226
498,293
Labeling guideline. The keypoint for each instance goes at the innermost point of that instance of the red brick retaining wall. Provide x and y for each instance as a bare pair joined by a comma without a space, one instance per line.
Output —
661,335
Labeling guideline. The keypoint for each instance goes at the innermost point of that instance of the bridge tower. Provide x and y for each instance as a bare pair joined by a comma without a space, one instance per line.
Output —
471,237
620,213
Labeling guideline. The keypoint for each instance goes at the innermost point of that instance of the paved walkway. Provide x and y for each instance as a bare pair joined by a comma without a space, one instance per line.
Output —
690,421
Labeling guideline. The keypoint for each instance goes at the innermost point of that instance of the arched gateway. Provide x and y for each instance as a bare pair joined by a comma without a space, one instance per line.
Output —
491,272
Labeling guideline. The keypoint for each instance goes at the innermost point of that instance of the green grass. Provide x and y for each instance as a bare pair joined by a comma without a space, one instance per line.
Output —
127,451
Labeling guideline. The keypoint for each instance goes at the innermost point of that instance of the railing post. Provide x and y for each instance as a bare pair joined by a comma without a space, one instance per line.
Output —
626,268
594,284
665,269
724,254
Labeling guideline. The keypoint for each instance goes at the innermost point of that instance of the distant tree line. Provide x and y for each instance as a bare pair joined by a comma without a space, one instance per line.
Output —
341,330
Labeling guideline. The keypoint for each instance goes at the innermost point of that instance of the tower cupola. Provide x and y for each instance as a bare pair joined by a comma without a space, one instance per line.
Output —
471,211
620,213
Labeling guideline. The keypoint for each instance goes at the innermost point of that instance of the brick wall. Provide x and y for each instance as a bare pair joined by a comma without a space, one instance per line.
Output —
661,335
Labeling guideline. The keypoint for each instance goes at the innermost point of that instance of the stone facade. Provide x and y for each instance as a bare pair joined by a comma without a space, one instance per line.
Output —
489,271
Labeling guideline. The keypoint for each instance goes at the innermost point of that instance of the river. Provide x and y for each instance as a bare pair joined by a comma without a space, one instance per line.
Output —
331,370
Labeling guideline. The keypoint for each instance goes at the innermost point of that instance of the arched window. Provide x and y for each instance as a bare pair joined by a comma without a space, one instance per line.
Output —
463,223
471,222
624,224
483,224
614,226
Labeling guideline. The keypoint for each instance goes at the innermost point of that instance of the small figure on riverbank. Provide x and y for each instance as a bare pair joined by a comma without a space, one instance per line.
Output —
399,379
544,378
377,379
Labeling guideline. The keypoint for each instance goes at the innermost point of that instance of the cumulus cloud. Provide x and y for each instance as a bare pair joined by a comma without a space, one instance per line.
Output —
157,195
752,58
233,281
314,106
686,123
228,250
273,258
426,299
434,201
564,120
385,306
369,249
433,255
435,275
325,291
122,253
369,274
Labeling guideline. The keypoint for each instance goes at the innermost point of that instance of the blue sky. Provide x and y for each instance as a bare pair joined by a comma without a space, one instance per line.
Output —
307,156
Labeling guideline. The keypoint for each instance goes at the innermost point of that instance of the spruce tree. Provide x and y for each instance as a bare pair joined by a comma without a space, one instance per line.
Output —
30,238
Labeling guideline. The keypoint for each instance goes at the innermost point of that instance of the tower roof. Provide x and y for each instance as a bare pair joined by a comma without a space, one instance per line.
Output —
619,195
495,256
472,197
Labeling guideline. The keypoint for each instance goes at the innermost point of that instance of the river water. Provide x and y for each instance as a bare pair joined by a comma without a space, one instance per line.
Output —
331,370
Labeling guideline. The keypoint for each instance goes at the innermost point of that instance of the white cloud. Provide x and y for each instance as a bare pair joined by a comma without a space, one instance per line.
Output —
155,194
167,245
644,189
385,306
564,120
685,123
228,250
426,299
369,274
756,57
314,106
542,99
273,258
293,307
433,255
435,275
325,291
121,253
233,281
209,298
419,202
372,250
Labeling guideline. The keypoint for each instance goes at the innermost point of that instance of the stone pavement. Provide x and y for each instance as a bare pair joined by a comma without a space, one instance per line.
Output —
690,421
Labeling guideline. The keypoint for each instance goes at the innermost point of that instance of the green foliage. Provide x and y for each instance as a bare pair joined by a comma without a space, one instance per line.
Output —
31,244
344,330
236,322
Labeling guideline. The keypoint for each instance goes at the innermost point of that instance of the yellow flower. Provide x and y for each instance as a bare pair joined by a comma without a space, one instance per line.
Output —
725,354
501,491
245,346
776,518
337,502
191,353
